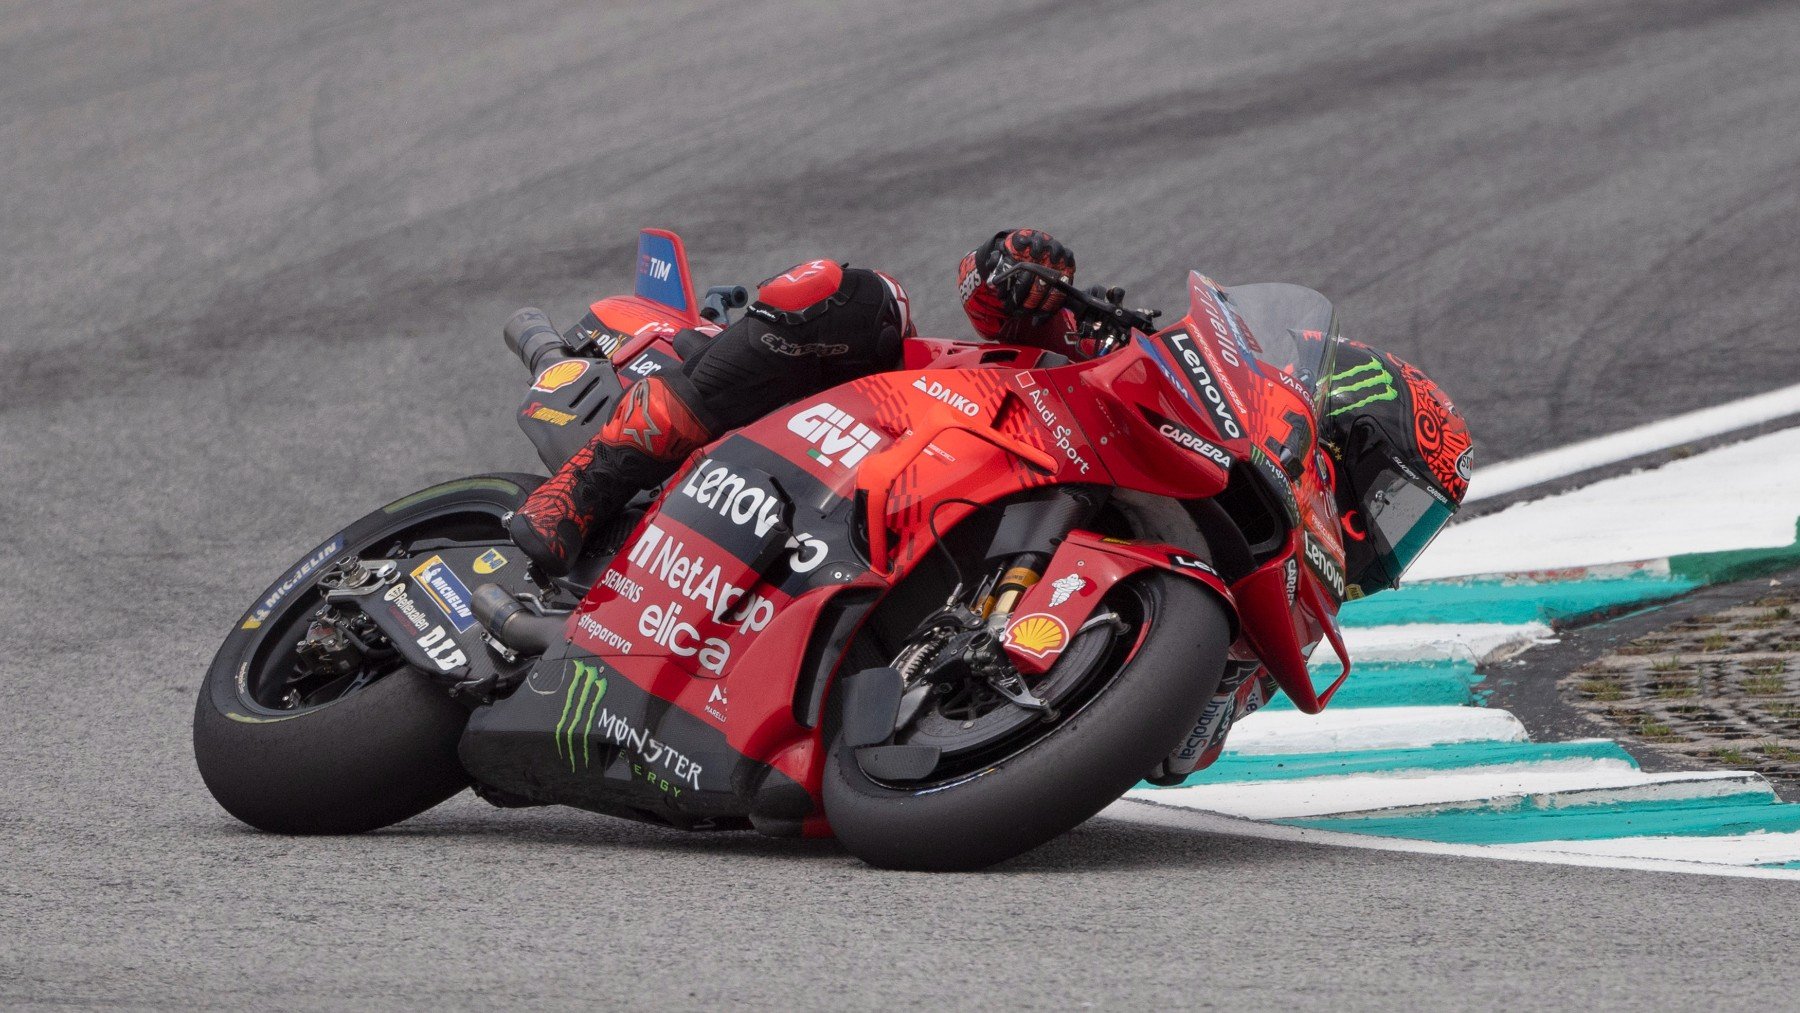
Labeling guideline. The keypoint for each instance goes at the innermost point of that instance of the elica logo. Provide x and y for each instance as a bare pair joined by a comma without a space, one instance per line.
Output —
666,560
836,437
1182,344
748,505
664,626
934,389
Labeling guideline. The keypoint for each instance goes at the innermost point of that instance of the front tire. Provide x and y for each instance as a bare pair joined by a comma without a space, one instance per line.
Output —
1089,758
291,756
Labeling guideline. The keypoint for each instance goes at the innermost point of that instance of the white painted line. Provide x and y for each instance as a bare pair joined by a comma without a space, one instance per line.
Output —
1436,642
1667,788
1525,472
1749,849
1362,793
1266,733
1746,495
1139,811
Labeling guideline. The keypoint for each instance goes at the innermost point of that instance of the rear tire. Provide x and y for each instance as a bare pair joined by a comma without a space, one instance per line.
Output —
380,752
1086,761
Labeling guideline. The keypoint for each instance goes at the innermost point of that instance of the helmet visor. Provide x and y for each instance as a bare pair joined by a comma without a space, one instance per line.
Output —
1402,513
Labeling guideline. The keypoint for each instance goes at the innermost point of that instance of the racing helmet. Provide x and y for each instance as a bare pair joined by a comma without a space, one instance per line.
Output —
1404,459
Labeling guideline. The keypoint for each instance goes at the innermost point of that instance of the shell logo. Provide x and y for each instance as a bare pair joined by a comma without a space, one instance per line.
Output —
560,375
1039,635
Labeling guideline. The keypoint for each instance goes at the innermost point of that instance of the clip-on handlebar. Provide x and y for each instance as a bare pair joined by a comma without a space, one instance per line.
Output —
1100,312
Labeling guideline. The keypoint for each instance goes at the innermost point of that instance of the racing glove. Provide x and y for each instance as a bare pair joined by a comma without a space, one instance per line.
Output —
1022,308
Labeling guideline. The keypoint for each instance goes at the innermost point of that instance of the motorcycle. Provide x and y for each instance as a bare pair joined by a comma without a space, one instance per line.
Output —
943,614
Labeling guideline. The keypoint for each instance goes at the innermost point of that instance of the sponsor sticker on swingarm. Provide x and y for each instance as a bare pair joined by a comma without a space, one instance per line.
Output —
447,591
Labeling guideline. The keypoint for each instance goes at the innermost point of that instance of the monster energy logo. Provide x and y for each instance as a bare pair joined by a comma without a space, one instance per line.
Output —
580,702
1374,375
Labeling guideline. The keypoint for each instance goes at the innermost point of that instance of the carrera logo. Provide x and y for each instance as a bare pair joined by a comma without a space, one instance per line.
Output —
1321,563
836,437
1181,344
1187,439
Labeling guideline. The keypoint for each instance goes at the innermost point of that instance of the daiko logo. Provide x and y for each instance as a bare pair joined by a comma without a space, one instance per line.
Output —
836,437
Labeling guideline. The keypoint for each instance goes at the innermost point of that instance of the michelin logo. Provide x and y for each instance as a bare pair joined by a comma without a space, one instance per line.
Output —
307,568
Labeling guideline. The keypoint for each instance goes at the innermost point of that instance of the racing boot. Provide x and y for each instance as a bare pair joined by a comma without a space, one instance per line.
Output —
652,430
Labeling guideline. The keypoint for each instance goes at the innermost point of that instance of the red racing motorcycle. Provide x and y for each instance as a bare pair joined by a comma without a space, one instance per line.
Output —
944,613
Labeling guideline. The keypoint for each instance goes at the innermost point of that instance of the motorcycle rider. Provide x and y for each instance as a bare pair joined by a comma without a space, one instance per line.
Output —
1401,451
811,327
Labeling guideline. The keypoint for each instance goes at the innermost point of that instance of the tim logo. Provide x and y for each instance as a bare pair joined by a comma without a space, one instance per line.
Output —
654,268
836,437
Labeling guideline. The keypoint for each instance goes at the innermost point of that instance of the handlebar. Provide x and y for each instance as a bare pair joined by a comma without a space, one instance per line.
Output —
530,336
1102,311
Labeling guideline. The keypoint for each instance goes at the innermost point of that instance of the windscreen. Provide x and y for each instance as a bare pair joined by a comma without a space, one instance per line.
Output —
1295,329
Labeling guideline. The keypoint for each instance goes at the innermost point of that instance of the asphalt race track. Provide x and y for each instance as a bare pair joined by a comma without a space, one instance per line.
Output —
253,263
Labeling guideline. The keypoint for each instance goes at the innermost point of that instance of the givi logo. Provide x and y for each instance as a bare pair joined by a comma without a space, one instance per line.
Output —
836,437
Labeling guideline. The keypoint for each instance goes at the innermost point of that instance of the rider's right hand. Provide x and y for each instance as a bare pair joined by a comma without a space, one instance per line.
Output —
1026,293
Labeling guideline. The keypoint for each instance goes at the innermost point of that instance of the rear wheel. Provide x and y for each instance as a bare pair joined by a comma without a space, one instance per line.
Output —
341,736
1008,778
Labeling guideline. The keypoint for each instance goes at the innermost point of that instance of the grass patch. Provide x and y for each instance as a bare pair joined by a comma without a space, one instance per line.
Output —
1765,685
1778,752
1676,691
1600,689
1714,642
1650,728
1735,757
1672,663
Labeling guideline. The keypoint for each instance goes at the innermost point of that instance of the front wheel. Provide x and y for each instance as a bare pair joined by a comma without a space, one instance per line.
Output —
297,746
1002,792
